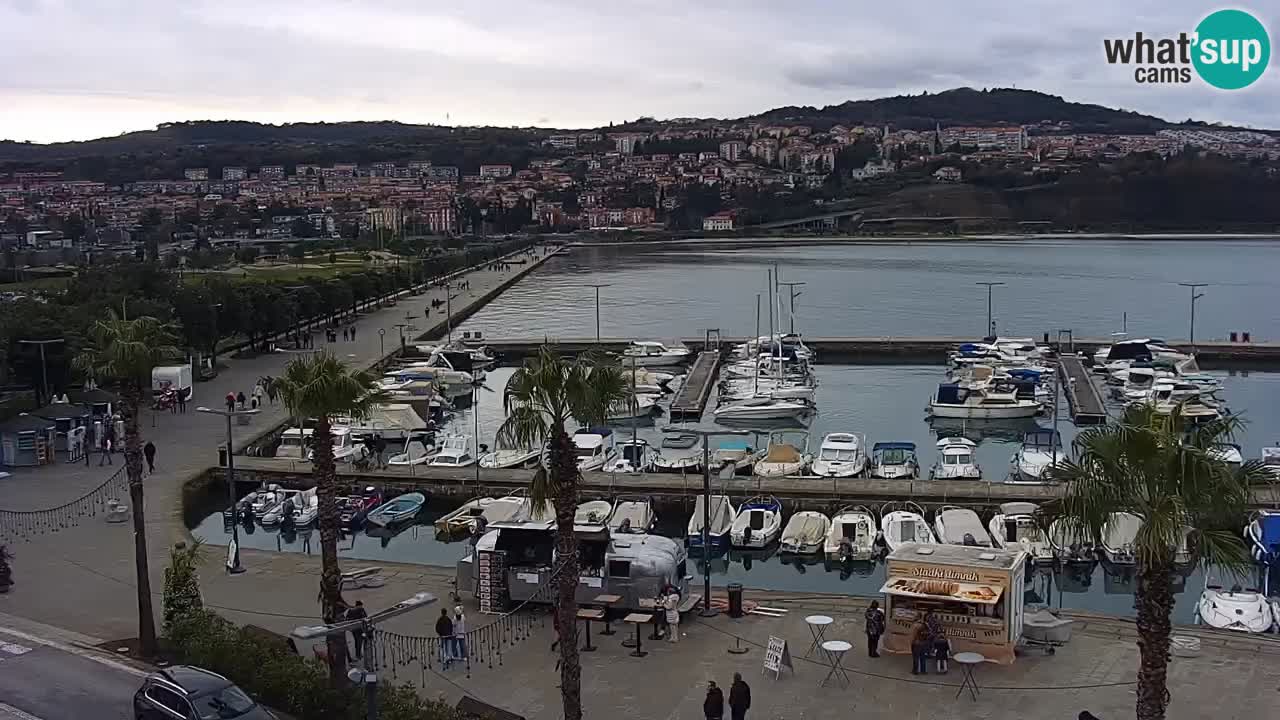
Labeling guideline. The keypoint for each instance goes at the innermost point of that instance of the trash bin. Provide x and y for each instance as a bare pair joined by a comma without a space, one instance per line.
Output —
222,455
735,600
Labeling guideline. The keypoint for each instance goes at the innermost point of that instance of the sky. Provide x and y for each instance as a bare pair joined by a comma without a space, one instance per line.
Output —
79,69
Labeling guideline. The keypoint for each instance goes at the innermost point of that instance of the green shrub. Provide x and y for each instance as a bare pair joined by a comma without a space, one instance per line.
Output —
181,582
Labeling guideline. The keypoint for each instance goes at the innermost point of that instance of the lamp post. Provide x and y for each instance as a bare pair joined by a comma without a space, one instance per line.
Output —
990,326
233,563
1194,297
707,610
448,309
597,286
44,366
382,345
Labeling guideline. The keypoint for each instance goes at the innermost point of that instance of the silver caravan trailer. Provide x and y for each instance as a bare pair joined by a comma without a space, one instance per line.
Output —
633,567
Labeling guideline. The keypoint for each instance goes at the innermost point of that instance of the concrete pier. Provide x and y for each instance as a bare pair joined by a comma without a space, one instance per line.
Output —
691,400
1083,397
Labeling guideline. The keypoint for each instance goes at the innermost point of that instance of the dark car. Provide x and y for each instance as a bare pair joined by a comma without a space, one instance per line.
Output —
183,692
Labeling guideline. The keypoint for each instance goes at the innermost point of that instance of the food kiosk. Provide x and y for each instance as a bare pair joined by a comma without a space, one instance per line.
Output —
975,593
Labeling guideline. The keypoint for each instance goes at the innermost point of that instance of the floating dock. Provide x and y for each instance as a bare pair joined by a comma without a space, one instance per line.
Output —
692,397
1083,397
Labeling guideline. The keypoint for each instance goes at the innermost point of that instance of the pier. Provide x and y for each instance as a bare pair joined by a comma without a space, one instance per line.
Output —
1083,398
691,400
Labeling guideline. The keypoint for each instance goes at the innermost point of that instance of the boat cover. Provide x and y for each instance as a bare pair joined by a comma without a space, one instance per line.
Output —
1270,527
783,453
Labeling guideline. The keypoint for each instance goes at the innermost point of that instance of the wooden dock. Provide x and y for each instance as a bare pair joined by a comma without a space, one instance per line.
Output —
692,397
1083,397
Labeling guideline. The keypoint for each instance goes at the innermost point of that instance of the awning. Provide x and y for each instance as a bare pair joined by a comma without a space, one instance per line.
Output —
930,590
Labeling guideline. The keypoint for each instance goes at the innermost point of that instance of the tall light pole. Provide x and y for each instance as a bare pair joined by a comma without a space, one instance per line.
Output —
597,286
706,435
44,366
382,345
448,310
990,326
793,293
233,564
1194,297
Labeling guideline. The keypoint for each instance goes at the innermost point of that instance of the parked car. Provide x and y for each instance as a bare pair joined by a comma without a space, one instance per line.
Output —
183,692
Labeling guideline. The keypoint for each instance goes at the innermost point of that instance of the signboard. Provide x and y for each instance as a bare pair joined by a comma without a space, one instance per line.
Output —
491,581
777,656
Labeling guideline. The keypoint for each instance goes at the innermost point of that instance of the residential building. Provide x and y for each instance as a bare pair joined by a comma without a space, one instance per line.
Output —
719,222
764,150
732,150
495,171
441,172
390,218
562,142
1012,139
626,143
948,174
273,173
196,174
233,173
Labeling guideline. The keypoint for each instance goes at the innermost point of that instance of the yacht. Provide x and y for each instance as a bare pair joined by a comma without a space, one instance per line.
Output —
1243,610
955,460
805,533
455,452
594,448
840,455
783,459
632,516
894,460
978,403
651,353
960,526
765,408
903,522
1040,450
509,458
1015,527
758,524
852,536
723,514
634,456
1070,541
593,512
1118,536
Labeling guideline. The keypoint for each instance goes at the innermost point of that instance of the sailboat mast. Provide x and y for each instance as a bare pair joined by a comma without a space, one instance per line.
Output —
755,390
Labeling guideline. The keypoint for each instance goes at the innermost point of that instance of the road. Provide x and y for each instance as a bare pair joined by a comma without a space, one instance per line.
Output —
47,680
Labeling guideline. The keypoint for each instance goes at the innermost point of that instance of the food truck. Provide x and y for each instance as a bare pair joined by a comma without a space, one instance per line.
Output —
975,593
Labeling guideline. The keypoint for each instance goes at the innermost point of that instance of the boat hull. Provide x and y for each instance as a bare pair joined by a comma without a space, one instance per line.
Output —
983,413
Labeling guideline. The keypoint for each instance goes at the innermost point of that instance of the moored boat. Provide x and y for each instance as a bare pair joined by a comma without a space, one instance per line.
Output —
1016,527
894,460
852,535
1239,609
723,513
1118,535
955,460
903,522
840,455
632,516
960,526
782,459
805,532
758,523
1040,451
400,509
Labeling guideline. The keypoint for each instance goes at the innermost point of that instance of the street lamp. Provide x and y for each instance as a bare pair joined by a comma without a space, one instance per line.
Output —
233,563
707,610
990,325
1194,297
597,286
382,346
44,367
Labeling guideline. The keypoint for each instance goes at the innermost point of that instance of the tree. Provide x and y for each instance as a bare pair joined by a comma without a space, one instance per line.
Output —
322,387
125,351
182,583
542,397
1163,469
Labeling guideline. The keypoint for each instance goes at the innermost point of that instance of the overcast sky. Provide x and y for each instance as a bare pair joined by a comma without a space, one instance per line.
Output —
77,69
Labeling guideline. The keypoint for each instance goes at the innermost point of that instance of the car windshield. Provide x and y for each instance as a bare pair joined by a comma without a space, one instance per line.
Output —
229,702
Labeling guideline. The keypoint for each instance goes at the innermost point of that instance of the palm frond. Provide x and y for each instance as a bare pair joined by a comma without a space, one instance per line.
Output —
321,385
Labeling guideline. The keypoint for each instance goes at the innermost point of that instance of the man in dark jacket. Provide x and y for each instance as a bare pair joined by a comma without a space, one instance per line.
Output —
713,706
444,630
739,698
358,613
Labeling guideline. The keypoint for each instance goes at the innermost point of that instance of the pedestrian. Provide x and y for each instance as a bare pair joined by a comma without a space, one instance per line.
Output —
671,604
875,628
919,649
352,330
240,400
937,639
272,391
713,706
259,389
182,400
739,698
106,450
149,452
459,633
344,334
444,631
231,402
380,449
357,634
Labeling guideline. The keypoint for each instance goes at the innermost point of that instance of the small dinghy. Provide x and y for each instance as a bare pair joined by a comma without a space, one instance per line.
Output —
758,524
1234,609
632,515
259,501
960,526
593,512
1015,528
403,508
671,463
805,532
722,516
852,535
904,523
679,441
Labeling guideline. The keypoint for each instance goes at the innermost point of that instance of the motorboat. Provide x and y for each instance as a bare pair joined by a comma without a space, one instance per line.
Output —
288,502
259,501
400,509
758,524
840,455
782,459
685,462
647,382
805,533
1040,450
894,460
425,371
415,453
1118,535
679,440
1138,349
960,526
509,458
736,454
295,443
1270,457
632,516
634,456
465,517
594,448
723,514
353,509
307,508
955,460
975,403
1243,610
904,523
454,452
636,407
1015,527
1070,541
765,408
652,353
593,512
395,421
1229,453
852,535
1263,535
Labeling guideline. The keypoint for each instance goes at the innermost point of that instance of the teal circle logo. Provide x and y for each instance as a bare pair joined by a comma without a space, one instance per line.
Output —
1231,49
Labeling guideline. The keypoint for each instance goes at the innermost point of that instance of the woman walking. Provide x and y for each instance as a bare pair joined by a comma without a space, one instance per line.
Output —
875,628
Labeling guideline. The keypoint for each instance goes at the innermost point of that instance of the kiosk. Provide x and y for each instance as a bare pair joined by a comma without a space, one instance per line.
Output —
975,592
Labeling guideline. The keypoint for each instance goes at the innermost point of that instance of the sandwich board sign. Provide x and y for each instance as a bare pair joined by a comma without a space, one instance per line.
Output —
776,657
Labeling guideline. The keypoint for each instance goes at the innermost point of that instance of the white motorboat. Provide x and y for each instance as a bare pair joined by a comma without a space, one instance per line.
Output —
637,407
1270,457
903,522
425,371
1070,541
980,403
894,460
1263,536
1118,535
1039,452
415,453
955,460
655,354
647,382
509,458
466,517
395,421
1243,610
259,501
960,526
454,452
1229,453
1016,527
723,514
288,502
632,515
783,459
307,508
852,535
840,455
634,456
594,448
593,512
805,533
758,524
296,443
1130,350
762,409
677,462
736,453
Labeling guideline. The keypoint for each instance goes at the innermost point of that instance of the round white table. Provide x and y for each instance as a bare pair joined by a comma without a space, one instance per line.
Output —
817,628
835,650
968,660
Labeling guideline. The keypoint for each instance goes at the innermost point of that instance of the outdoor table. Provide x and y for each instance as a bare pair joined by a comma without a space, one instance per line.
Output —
968,660
817,628
835,650
607,601
638,619
589,614
652,605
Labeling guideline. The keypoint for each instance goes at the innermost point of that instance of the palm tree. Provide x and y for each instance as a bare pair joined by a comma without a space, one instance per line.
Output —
322,387
125,351
542,397
1163,469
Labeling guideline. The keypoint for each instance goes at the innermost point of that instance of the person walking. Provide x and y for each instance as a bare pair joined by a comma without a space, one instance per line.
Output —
919,649
713,706
671,604
739,698
240,400
380,450
106,449
875,628
259,390
357,612
459,633
444,631
149,452
231,402
182,400
352,330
